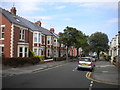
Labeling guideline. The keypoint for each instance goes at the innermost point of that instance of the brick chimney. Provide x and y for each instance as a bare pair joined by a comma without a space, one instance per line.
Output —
52,30
59,33
38,23
13,10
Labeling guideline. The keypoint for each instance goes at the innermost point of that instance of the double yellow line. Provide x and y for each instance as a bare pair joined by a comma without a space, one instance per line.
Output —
88,75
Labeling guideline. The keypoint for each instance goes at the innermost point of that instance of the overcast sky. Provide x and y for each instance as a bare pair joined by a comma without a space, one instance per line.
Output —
89,17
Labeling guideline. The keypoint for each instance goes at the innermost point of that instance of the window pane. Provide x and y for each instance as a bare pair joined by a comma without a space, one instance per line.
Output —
2,32
2,35
20,34
35,51
26,49
20,49
39,37
35,37
48,42
20,54
23,32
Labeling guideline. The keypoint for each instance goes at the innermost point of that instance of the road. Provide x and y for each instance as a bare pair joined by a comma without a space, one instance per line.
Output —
64,76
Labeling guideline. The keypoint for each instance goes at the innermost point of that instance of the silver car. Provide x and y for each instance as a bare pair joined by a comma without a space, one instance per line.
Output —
86,62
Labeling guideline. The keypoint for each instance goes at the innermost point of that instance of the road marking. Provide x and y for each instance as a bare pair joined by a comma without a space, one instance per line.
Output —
104,71
89,74
90,85
75,69
91,81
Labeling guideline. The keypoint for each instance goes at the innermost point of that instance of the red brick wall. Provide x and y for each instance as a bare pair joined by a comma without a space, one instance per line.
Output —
16,39
30,40
7,36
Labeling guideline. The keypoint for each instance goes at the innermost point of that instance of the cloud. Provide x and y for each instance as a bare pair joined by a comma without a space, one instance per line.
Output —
43,17
113,20
60,7
107,5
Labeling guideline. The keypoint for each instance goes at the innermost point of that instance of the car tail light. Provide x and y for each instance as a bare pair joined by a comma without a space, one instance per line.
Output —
91,64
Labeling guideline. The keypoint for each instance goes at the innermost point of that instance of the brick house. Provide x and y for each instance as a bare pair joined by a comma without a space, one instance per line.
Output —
19,35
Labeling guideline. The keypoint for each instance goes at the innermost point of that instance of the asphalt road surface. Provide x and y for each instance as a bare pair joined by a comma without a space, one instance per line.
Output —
64,76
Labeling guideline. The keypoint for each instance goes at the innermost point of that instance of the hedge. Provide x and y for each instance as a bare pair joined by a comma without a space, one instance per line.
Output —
20,61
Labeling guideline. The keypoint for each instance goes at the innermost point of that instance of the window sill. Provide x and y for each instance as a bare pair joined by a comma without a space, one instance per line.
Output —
2,39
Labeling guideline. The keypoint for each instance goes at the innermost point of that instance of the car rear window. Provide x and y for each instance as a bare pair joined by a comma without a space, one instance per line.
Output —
85,59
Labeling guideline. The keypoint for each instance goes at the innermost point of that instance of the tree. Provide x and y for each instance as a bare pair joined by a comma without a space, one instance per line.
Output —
72,37
98,42
65,38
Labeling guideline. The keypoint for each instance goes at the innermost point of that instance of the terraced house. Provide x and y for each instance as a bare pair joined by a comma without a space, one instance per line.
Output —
114,50
19,35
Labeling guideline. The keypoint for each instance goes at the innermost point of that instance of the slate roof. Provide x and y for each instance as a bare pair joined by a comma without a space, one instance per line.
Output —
23,22
55,35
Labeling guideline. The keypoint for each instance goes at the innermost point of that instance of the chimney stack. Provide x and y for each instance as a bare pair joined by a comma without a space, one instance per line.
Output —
13,10
59,33
52,30
38,23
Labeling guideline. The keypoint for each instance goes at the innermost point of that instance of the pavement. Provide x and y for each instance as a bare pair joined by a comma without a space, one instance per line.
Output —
105,72
7,71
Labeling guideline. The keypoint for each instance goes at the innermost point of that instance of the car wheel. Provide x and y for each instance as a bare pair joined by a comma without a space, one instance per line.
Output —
78,68
91,70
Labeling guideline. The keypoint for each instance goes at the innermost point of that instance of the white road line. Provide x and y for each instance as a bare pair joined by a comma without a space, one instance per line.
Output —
75,69
91,81
90,85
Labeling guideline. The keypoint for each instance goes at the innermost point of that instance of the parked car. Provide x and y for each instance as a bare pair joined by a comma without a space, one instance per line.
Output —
94,58
86,62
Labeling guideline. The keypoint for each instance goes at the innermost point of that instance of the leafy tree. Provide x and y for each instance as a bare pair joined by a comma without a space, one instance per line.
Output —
98,42
65,38
85,46
72,37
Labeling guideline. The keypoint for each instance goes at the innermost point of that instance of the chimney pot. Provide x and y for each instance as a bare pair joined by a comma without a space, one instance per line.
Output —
38,23
52,30
13,10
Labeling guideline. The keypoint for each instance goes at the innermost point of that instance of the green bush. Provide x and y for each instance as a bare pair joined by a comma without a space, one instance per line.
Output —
32,54
108,57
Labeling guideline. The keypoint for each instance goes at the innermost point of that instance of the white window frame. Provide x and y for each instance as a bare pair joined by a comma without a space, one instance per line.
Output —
22,34
38,37
2,38
23,50
35,35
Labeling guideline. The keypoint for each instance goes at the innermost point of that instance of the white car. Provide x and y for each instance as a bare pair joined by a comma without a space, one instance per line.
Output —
86,62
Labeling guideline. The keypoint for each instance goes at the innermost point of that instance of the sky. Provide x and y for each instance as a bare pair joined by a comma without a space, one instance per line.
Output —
88,16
